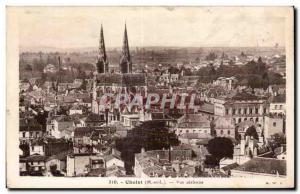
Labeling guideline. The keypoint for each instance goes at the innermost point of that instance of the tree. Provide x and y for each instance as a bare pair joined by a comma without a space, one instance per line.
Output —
150,135
83,85
251,131
277,140
220,147
211,56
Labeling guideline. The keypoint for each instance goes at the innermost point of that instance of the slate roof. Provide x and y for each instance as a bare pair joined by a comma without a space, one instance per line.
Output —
79,132
245,97
97,172
194,125
29,124
279,99
223,123
126,79
230,166
61,155
35,158
94,118
264,165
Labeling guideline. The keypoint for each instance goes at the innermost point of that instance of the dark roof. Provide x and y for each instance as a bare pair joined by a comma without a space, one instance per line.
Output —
126,79
279,99
64,118
97,172
29,124
230,166
112,156
35,157
61,155
158,115
94,118
245,96
264,165
207,107
82,131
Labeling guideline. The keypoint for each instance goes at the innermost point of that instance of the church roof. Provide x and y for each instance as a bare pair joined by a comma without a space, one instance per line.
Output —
127,79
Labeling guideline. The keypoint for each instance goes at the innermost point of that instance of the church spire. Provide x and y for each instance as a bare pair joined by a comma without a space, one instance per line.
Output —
125,62
102,63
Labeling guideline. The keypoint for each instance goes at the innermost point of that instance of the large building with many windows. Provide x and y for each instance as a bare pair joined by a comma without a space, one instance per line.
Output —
242,106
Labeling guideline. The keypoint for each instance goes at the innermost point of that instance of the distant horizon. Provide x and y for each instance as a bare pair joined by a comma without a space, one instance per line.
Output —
94,49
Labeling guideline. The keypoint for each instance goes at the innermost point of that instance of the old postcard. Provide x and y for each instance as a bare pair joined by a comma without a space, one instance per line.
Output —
150,97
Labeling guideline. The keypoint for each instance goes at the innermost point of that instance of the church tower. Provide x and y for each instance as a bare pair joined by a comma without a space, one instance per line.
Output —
102,63
125,62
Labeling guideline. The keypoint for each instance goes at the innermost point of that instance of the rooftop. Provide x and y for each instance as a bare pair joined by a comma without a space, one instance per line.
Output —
264,165
127,79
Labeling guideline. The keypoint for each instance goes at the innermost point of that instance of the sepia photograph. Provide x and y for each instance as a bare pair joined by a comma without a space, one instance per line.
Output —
150,97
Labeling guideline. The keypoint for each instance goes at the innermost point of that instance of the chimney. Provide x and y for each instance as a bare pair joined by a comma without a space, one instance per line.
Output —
143,150
106,116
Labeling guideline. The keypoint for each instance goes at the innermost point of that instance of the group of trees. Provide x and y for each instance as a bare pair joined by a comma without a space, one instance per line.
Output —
150,135
254,74
155,135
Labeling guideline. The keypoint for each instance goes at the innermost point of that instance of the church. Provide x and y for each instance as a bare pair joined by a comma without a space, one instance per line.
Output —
124,81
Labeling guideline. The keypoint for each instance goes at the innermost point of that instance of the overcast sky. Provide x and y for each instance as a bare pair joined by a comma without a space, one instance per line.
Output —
76,27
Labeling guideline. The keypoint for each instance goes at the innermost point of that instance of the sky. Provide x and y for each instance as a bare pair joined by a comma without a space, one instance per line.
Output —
79,27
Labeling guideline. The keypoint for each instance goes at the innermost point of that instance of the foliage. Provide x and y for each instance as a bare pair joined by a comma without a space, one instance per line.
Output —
251,131
151,135
277,140
254,74
211,56
220,147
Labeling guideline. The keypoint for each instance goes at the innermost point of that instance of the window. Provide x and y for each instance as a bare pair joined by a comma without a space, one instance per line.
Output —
227,112
30,134
274,124
240,120
265,110
280,107
240,111
245,110
275,106
233,111
228,132
24,134
250,110
222,132
256,110
256,120
245,119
